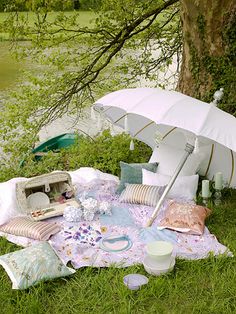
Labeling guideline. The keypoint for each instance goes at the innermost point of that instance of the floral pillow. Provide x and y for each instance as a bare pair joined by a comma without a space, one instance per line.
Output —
33,264
185,217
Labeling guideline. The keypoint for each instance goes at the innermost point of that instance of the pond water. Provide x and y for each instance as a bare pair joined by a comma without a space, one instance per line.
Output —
10,69
11,74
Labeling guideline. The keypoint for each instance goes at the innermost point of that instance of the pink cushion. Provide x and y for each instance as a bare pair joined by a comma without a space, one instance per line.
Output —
185,217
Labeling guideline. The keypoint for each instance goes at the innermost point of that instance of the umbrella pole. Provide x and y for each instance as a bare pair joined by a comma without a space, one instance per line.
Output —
188,150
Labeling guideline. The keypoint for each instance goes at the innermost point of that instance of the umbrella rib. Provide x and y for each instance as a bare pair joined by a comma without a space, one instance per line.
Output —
143,128
169,132
232,168
150,123
121,118
210,159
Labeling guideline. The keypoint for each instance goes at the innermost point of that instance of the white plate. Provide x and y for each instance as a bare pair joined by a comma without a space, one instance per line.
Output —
38,200
118,243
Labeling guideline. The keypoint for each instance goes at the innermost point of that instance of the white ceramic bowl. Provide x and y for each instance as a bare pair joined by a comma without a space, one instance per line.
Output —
160,251
135,281
153,268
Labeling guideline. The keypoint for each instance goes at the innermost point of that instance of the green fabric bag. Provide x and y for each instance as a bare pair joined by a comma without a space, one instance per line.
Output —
132,173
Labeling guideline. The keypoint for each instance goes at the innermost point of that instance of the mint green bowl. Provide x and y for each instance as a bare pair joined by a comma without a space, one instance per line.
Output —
160,251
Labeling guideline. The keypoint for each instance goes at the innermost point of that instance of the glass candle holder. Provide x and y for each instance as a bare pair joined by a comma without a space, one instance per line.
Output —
205,199
217,197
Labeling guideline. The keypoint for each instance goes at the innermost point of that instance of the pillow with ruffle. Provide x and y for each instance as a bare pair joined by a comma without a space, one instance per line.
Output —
185,217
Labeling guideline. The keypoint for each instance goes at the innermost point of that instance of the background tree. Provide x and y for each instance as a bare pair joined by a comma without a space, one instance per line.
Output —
127,41
209,50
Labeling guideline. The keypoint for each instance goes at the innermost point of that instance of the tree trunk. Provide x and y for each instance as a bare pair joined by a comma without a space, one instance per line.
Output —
209,50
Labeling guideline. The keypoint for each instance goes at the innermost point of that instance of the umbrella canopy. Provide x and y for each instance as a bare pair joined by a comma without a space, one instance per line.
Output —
177,117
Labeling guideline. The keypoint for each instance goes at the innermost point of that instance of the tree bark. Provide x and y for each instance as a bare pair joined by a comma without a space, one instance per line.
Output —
209,41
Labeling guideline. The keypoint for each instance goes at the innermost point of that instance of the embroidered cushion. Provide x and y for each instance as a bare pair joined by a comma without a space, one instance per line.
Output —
141,194
132,173
25,227
185,217
33,264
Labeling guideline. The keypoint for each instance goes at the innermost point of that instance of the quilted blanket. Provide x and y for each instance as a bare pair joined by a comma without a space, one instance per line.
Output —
80,242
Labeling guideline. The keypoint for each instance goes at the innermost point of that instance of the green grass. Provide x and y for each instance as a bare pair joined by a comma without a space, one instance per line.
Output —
202,286
198,286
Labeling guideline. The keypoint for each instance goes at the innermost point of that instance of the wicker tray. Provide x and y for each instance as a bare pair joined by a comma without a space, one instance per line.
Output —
51,184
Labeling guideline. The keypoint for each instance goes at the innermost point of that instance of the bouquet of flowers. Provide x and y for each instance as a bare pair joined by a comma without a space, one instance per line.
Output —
86,210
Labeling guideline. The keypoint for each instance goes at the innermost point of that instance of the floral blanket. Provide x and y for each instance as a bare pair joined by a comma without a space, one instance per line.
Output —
79,242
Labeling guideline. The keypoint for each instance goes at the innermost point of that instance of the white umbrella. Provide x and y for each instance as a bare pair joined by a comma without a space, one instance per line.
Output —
147,110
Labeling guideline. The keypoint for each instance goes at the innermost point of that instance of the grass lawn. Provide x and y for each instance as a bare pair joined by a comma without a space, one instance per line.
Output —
202,286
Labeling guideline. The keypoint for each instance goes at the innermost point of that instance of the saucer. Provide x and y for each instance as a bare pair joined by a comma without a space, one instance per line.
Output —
135,281
115,243
38,200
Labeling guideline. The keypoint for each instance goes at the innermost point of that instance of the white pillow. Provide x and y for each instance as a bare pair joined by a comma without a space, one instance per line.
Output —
184,187
87,174
8,202
169,158
83,175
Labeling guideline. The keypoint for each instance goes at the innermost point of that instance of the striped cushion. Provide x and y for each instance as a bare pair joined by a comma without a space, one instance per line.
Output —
141,194
25,227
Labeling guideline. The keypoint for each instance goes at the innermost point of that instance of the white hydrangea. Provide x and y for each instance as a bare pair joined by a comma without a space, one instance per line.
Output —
90,204
86,210
105,208
72,213
88,215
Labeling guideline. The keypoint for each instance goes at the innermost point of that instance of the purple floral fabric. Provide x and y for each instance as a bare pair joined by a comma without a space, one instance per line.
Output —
79,242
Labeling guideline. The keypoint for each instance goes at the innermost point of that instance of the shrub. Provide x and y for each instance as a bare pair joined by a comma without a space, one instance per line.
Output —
103,153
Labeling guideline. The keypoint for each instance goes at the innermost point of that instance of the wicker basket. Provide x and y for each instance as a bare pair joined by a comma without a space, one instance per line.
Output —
49,184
